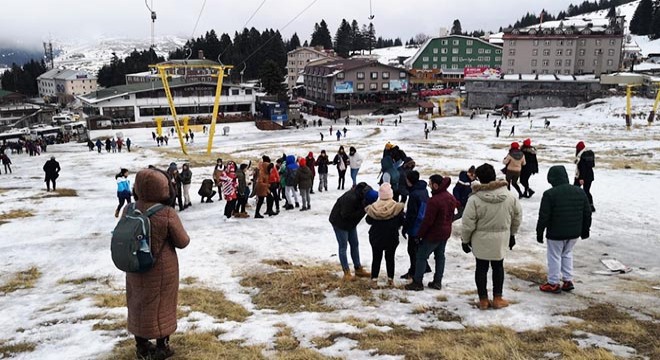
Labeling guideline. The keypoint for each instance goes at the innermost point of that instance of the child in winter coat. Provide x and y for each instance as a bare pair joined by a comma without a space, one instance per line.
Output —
229,188
385,216
123,190
242,192
304,179
514,161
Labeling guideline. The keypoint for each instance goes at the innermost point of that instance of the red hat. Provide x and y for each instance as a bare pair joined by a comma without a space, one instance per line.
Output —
311,154
302,162
527,142
515,145
580,146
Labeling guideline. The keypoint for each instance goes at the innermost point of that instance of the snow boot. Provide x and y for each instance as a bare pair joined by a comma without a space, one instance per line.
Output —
414,286
390,282
484,304
297,205
117,213
361,272
144,348
550,288
568,286
347,275
499,302
435,285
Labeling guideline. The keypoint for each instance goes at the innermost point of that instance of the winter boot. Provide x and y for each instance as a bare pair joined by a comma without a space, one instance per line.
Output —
117,213
568,286
499,302
347,275
297,205
390,282
435,285
258,216
361,272
484,304
550,288
414,286
144,348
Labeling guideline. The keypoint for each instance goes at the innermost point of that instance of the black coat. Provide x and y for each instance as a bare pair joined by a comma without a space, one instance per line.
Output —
585,166
52,169
348,211
418,196
322,162
531,163
385,233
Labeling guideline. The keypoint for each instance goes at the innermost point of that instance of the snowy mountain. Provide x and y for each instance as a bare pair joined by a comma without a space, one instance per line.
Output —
90,56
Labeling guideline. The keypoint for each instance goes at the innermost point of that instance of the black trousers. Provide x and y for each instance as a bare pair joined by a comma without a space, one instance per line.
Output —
524,181
230,207
240,204
481,277
342,179
377,251
587,189
48,182
274,197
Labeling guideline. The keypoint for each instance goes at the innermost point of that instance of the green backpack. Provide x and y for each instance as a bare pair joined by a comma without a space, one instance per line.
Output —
131,240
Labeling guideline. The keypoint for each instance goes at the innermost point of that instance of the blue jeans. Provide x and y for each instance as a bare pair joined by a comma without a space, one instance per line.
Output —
425,249
354,173
344,238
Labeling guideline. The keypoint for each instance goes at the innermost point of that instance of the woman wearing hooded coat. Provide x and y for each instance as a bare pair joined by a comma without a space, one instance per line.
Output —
186,179
311,164
342,162
151,296
263,187
491,218
514,161
322,162
530,168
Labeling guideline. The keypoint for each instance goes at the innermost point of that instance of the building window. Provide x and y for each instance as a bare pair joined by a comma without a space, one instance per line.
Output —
425,58
598,52
512,52
454,59
598,42
558,62
444,42
567,62
443,50
360,86
487,58
481,51
546,62
583,42
560,52
385,86
535,42
560,42
580,62
435,66
385,75
454,50
487,51
402,75
435,59
454,66
469,42
569,42
373,86
340,76
512,43
546,52
425,66
534,63
435,50
569,52
511,62
235,91
610,62
610,52
612,42
546,43
480,58
360,75
498,58
544,72
443,66
443,59
455,42
582,52
509,71
468,51
595,62
535,52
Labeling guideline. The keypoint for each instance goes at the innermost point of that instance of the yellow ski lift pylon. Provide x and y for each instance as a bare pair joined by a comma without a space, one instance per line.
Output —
164,67
629,106
655,105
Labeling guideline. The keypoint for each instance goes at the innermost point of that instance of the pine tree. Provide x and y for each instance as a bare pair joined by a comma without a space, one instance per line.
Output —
642,19
294,43
612,12
321,35
655,26
456,28
369,36
343,40
357,42
397,42
272,78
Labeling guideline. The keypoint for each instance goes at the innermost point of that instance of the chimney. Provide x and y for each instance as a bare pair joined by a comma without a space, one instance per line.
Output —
200,54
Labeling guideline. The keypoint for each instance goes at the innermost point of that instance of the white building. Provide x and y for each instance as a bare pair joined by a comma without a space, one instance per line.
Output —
60,82
298,58
145,101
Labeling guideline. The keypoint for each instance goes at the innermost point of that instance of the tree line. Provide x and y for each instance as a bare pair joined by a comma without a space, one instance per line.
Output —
646,19
137,61
23,79
585,7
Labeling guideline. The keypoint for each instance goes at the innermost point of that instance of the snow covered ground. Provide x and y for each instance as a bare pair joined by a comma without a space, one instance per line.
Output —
68,238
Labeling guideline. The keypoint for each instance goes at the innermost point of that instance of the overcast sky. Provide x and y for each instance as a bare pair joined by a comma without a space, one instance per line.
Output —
31,21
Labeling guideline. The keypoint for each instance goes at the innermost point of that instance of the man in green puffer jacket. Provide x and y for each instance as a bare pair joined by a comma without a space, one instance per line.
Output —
566,214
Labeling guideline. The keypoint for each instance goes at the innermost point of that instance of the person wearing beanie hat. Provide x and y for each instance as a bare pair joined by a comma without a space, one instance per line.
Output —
385,216
463,189
311,164
514,161
52,170
371,197
342,161
175,177
305,181
346,214
491,219
418,196
434,231
584,172
322,163
530,168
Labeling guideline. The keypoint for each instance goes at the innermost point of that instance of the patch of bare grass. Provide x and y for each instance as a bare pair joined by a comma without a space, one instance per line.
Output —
15,214
10,350
21,280
189,280
85,279
303,288
195,345
213,303
440,313
110,300
62,193
110,325
279,263
534,273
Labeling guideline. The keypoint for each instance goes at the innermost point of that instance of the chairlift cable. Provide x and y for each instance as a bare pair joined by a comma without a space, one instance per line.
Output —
198,17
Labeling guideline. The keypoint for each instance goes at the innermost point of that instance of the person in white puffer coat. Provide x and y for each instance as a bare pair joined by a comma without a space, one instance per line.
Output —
355,161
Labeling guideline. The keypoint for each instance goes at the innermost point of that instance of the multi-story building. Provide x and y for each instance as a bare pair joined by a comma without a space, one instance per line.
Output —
584,48
63,82
298,58
444,59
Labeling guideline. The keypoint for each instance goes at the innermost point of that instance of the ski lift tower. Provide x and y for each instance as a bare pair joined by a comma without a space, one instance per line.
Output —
217,70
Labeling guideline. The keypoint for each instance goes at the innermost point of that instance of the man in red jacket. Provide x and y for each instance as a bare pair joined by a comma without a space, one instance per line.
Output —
434,232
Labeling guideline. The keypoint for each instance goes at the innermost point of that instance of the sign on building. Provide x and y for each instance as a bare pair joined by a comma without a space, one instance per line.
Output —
344,87
481,73
400,85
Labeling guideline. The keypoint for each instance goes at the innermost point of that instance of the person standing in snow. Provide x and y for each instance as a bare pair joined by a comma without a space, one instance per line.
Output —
322,163
128,144
514,162
229,188
217,175
291,184
463,189
311,164
584,172
151,296
418,198
338,135
497,131
346,214
341,160
175,177
566,214
490,221
186,180
513,131
355,161
408,165
242,193
321,136
434,231
305,181
274,189
52,170
385,216
6,162
530,168
99,145
123,190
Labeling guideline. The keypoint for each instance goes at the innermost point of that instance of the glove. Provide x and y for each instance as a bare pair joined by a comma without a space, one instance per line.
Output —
539,238
512,242
585,235
466,248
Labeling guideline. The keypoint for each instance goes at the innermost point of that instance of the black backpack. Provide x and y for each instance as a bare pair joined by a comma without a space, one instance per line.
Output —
131,240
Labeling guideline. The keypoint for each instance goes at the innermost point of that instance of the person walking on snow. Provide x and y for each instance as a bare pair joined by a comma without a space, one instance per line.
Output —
584,171
123,190
305,181
513,131
514,162
341,160
490,221
291,184
434,231
346,214
338,135
530,168
52,170
6,162
355,161
385,216
566,214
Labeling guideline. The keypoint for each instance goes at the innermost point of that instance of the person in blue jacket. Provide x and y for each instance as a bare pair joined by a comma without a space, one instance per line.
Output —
463,189
123,190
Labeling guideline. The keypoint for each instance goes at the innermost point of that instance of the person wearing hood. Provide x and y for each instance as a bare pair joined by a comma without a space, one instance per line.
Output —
402,193
305,181
217,176
565,215
514,162
151,296
186,180
491,218
584,172
242,192
274,189
346,214
322,163
355,161
463,189
123,189
434,231
390,171
263,188
530,167
418,198
385,216
311,164
99,145
175,177
229,188
291,184
342,161
52,170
